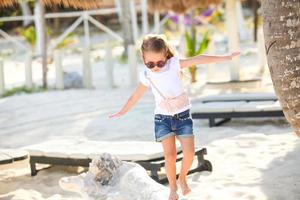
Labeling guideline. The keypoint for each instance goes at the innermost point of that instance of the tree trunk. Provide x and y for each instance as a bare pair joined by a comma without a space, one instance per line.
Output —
40,24
282,41
193,70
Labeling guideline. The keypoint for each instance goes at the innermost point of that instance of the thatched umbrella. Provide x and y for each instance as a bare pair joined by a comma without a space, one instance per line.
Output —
200,3
78,4
179,6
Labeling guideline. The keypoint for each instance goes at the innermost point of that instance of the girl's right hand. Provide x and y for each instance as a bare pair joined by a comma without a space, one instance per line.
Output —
236,53
118,114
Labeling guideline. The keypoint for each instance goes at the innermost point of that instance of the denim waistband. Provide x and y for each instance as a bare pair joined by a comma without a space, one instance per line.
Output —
176,115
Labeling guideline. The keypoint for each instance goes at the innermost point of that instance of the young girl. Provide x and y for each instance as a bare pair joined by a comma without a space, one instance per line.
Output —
172,112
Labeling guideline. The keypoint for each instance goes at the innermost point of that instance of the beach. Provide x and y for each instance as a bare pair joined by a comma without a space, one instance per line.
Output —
252,158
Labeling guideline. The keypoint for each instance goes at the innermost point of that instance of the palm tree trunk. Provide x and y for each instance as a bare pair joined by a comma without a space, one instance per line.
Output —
281,30
40,24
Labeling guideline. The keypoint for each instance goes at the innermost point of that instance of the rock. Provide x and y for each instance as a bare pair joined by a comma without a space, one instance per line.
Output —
126,181
72,80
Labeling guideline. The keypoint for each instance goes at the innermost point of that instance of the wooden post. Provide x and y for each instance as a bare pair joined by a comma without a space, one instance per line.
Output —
241,20
261,50
25,11
87,74
134,22
126,25
28,70
39,14
156,22
119,9
233,38
144,16
59,74
132,61
255,18
2,86
211,67
181,24
109,67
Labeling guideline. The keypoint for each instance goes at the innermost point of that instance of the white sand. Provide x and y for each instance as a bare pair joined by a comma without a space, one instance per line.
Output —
251,166
252,158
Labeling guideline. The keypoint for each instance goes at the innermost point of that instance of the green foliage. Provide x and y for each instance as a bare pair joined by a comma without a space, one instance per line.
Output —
69,39
193,46
123,58
217,16
21,90
29,34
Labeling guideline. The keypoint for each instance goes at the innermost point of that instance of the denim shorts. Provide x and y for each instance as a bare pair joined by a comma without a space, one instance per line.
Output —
180,124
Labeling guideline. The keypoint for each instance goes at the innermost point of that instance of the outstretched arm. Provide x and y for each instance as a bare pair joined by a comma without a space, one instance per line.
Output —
205,59
138,93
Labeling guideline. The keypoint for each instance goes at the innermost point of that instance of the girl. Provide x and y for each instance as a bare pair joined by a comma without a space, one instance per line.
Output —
172,112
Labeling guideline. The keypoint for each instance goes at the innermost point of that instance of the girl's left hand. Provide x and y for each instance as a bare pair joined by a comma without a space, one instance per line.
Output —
236,53
116,115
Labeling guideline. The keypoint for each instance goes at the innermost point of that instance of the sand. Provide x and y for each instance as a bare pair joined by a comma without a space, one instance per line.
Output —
252,158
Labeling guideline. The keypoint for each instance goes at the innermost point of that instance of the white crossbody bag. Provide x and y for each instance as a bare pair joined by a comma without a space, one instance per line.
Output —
171,104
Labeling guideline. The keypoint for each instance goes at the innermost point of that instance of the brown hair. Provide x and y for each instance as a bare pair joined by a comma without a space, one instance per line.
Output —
156,43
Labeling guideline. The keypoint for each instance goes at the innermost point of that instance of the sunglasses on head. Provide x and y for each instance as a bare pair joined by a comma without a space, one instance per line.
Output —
159,64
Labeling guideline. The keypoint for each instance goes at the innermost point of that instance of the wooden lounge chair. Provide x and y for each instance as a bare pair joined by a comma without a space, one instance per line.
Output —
80,153
227,106
255,96
11,155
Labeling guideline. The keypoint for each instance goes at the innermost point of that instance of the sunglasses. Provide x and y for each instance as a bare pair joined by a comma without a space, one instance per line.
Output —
159,64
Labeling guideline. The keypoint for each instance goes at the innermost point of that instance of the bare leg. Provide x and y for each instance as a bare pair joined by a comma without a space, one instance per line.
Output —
188,149
170,154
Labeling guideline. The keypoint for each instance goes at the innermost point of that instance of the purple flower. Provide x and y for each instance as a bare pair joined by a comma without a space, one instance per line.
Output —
207,12
174,18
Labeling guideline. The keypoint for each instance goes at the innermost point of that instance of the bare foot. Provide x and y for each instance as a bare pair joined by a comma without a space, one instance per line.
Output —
173,195
184,186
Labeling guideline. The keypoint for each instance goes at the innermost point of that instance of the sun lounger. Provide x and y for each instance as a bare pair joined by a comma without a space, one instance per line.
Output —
11,155
256,96
227,106
80,153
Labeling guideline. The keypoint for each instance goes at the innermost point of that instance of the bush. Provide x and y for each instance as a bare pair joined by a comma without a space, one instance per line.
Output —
22,90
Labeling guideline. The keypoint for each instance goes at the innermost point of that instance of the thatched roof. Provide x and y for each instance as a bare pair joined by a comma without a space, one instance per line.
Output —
82,4
179,6
6,3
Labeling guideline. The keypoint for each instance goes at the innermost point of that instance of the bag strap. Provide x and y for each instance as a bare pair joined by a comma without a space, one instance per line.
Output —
161,94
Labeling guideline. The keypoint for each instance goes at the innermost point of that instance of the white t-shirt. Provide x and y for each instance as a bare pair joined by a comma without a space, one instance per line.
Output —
167,81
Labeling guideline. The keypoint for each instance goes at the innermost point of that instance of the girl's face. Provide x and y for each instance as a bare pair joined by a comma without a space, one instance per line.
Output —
156,58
